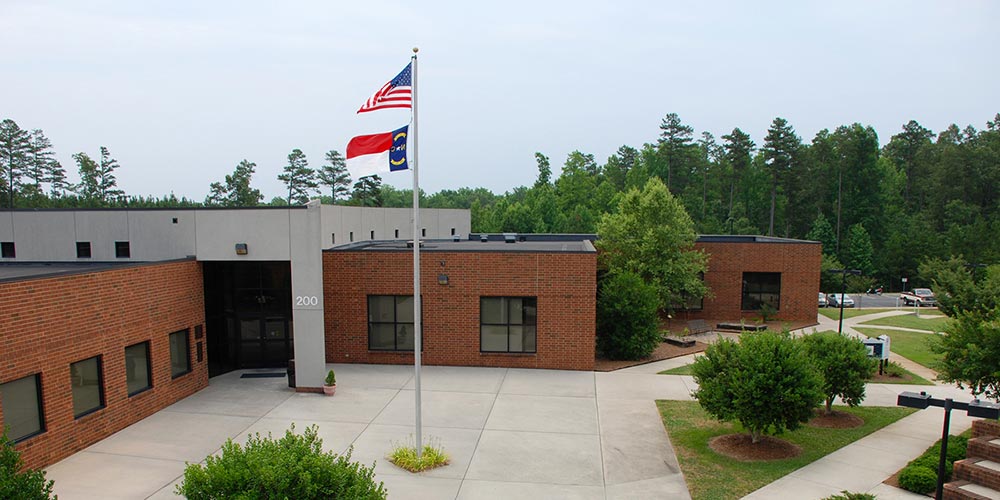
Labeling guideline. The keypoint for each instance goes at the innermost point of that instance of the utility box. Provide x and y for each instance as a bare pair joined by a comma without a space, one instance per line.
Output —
878,347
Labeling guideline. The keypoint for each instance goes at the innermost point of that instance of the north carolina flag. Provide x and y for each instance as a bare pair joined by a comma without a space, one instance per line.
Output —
376,153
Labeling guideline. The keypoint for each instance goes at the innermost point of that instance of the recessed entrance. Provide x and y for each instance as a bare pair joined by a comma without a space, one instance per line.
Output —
248,315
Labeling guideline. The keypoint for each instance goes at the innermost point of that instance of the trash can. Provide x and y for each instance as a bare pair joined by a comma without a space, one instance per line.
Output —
291,373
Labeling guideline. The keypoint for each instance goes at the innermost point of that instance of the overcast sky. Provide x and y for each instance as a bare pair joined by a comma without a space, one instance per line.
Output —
181,91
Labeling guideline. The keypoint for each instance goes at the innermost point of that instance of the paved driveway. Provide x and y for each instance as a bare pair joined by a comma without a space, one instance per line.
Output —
511,433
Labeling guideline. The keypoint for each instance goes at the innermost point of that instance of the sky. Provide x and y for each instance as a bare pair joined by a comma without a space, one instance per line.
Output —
181,91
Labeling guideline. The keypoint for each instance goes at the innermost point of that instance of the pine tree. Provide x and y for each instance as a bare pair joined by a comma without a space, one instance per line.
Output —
88,188
675,139
107,184
368,191
334,175
781,146
300,179
738,148
14,151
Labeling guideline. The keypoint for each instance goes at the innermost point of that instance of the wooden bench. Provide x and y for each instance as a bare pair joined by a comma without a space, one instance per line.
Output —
697,326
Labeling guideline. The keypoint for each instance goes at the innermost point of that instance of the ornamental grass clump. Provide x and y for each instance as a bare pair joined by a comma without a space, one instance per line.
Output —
405,456
294,466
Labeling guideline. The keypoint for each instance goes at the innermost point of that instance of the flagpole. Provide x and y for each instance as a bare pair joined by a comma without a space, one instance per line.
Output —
417,336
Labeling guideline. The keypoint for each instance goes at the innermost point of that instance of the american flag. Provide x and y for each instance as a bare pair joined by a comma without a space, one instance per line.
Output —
395,94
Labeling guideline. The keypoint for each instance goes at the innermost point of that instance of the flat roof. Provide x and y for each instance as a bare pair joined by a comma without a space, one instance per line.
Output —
21,271
580,246
746,238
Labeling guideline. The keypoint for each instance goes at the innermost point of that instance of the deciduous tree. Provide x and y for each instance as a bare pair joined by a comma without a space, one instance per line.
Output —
844,365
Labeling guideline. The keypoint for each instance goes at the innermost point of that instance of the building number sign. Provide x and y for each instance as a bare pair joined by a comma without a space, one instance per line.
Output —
306,300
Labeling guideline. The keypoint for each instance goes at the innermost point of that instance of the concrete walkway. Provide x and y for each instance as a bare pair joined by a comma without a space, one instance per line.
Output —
511,433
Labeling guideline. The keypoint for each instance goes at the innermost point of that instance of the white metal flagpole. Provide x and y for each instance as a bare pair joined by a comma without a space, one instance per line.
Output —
417,332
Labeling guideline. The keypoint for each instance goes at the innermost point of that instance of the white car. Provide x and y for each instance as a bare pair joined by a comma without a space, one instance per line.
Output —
835,299
822,300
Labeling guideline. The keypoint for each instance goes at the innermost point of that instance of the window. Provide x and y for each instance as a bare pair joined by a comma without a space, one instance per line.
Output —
507,324
453,231
88,386
7,250
351,235
22,407
760,289
122,250
372,236
333,238
83,249
397,234
390,322
690,304
423,232
180,355
138,373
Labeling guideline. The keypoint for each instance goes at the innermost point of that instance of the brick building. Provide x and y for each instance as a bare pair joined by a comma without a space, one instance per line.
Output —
520,304
107,316
89,351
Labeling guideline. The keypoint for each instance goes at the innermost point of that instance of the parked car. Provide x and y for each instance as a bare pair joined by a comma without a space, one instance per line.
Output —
835,299
822,299
919,297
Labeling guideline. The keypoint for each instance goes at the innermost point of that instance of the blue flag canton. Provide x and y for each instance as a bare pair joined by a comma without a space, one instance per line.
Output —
397,153
404,77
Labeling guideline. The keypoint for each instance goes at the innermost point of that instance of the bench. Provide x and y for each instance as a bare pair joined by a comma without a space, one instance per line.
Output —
697,326
741,327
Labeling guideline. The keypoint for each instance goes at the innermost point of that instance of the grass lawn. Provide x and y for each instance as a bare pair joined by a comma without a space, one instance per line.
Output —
680,370
913,346
933,324
713,476
850,312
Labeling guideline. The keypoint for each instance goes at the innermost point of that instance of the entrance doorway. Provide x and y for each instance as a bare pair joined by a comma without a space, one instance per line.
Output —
248,315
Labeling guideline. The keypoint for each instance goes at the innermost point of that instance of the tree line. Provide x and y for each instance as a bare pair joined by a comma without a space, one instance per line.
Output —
882,210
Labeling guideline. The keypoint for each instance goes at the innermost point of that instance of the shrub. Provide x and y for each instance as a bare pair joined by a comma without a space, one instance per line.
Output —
848,495
957,447
627,323
766,383
25,484
894,369
844,364
294,466
405,456
918,479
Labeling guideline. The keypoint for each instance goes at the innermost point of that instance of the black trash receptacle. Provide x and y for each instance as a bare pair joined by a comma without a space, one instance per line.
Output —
291,373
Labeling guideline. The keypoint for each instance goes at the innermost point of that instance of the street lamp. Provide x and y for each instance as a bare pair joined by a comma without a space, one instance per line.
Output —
974,408
843,291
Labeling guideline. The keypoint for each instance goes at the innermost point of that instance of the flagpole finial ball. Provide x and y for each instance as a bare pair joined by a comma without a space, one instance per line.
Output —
416,49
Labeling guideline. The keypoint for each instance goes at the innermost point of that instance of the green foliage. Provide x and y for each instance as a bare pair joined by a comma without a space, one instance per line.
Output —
19,483
367,192
334,175
957,289
299,178
850,495
627,322
653,236
844,365
432,456
822,232
970,352
918,479
331,378
236,192
294,466
859,253
766,383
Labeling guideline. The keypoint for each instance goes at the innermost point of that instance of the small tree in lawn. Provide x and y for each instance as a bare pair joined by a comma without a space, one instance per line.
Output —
971,352
766,383
627,324
844,365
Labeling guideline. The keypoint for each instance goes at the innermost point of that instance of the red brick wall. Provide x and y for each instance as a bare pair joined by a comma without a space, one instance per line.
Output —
48,323
564,283
798,263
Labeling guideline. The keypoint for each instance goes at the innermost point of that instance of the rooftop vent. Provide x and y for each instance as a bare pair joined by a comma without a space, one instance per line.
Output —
409,244
484,238
456,238
510,237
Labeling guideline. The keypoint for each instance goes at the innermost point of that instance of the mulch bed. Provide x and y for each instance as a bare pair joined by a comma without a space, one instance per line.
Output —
835,420
741,447
664,351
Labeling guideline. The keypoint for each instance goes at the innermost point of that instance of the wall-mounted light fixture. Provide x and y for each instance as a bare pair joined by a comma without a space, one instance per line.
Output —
241,249
442,279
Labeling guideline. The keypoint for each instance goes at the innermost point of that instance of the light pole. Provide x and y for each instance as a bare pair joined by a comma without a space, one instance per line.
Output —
843,292
974,408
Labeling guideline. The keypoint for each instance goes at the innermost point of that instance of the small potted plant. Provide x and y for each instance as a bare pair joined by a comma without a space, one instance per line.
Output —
330,384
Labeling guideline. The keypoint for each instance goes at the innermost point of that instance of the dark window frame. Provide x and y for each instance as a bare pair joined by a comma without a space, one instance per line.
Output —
123,250
505,299
102,403
41,407
8,250
83,250
187,352
756,291
149,369
394,322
